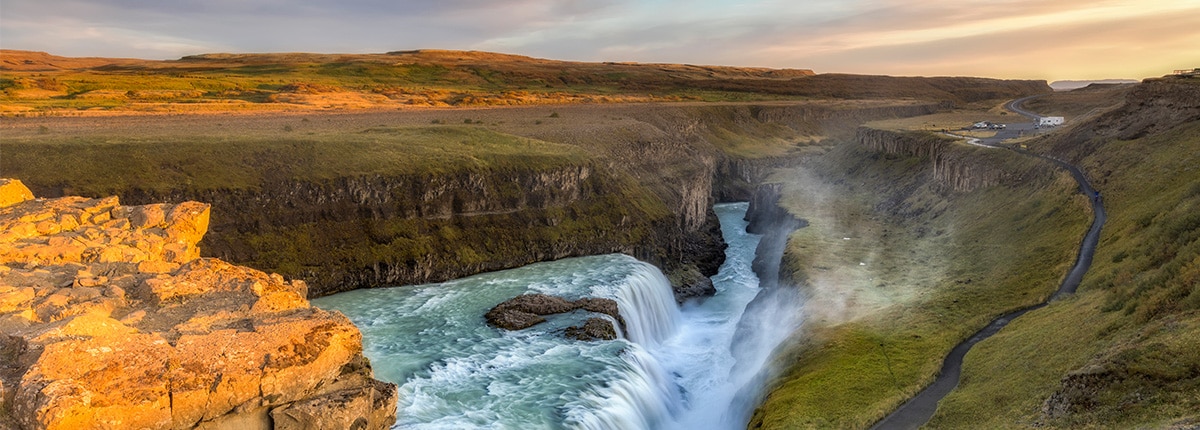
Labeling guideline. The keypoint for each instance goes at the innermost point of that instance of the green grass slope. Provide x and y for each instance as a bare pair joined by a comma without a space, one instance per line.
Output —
1123,353
900,267
102,165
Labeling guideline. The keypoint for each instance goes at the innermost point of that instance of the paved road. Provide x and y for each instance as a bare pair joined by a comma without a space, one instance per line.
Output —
917,410
1016,106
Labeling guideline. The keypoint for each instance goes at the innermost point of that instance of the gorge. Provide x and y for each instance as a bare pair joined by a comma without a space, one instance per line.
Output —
884,243
674,370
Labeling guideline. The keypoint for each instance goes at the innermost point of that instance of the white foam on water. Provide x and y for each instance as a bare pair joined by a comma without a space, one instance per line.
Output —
674,370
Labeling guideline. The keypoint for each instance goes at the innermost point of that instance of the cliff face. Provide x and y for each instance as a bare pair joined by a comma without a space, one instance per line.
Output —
109,318
954,166
354,232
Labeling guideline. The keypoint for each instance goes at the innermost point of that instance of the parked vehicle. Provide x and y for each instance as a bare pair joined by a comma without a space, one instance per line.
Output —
1049,121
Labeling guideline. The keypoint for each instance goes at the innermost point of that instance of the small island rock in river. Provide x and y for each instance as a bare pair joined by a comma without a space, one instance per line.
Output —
527,310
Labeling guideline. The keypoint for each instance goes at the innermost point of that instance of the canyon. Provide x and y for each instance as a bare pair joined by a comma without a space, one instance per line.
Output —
902,242
645,188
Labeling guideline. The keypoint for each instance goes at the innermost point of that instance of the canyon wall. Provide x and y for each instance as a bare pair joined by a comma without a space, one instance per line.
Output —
955,166
1153,107
352,232
110,319
646,190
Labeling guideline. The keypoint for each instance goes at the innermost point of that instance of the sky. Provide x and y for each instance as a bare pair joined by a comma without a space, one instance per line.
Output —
1043,39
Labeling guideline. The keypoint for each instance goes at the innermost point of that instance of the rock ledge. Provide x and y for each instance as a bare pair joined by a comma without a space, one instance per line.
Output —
109,319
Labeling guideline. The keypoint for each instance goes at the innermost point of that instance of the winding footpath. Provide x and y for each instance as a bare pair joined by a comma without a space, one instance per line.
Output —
919,409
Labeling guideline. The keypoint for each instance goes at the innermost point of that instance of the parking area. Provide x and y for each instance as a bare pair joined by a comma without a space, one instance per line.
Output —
1006,131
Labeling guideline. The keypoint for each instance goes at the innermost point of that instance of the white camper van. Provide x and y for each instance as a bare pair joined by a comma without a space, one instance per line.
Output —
1049,121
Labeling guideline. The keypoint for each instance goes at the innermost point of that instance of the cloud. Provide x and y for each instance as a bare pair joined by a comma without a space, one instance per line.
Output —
1128,46
993,38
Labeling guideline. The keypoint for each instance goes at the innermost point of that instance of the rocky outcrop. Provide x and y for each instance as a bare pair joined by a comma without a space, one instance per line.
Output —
768,218
109,319
528,310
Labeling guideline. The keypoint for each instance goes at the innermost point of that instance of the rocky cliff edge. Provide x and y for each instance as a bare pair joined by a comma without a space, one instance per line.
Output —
109,319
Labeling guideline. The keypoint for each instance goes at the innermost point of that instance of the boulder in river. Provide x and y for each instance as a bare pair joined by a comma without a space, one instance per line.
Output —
593,329
527,310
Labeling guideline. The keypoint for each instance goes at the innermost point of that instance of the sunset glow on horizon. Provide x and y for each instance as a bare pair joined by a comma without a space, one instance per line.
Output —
1071,39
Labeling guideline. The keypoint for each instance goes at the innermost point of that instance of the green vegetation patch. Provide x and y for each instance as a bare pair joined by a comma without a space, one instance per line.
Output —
1135,328
900,269
92,165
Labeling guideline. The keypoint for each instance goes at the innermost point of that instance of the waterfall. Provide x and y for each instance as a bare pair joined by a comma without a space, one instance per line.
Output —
644,397
646,302
672,369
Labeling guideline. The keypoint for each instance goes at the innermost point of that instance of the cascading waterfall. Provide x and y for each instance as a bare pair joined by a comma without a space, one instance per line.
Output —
647,304
675,369
645,397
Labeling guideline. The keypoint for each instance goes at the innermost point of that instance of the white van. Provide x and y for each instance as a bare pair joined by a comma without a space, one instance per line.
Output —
1049,121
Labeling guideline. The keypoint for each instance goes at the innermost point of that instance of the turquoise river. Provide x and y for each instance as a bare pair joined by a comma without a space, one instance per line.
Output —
675,369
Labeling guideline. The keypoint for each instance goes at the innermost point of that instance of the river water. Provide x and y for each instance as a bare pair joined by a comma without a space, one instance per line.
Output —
674,371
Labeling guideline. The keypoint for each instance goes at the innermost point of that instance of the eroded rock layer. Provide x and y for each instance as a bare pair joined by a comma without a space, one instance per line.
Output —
109,319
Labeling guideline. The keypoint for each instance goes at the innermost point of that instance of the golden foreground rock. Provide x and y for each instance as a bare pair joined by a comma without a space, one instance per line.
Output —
109,319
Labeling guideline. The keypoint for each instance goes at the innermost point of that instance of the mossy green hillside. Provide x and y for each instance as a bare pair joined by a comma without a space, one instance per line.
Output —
1134,328
900,268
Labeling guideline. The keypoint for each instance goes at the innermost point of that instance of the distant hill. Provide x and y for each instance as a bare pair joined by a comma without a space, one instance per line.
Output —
1071,85
41,83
